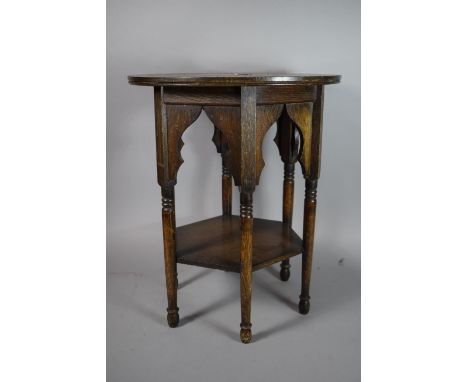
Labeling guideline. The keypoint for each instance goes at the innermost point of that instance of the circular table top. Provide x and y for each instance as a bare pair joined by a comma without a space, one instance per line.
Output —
232,79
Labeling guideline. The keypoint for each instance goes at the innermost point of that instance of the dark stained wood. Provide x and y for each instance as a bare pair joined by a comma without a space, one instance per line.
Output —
248,160
162,160
301,115
179,118
310,203
288,194
248,142
169,229
215,243
226,182
288,201
206,96
288,144
232,79
246,250
226,186
228,120
230,96
242,108
168,207
286,139
169,140
317,113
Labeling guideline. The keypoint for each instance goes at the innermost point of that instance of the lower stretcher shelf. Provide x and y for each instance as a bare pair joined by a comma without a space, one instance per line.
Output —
215,243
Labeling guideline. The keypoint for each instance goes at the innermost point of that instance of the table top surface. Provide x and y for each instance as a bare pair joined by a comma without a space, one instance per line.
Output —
232,79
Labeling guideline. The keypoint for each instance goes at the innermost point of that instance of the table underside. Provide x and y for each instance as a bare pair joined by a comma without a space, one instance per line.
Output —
215,243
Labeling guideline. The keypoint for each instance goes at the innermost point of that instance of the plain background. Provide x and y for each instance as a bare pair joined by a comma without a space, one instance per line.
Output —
230,36
53,201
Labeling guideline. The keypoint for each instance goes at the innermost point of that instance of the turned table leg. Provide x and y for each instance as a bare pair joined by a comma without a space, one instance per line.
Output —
226,181
288,145
170,122
175,242
226,189
246,265
288,200
248,123
307,117
310,203
168,221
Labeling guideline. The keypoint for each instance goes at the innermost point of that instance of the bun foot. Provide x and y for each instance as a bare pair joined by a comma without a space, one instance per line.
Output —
304,305
285,273
173,317
246,334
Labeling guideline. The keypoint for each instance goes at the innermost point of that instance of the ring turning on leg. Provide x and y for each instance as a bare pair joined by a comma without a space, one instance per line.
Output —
168,217
246,266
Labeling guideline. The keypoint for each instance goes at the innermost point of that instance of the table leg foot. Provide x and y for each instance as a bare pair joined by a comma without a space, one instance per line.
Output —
246,334
304,305
173,317
285,270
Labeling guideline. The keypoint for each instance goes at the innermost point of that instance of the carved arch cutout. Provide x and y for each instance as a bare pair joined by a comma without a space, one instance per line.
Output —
222,148
228,120
301,116
267,115
288,139
179,118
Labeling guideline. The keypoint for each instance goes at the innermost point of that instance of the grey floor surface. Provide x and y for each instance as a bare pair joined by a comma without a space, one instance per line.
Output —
323,346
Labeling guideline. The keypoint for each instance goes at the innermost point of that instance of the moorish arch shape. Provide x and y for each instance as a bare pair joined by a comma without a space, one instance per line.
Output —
221,145
179,118
305,117
227,120
301,116
288,139
227,123
308,119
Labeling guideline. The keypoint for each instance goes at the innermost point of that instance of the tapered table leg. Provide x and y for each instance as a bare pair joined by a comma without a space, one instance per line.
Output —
310,202
246,266
288,145
288,198
168,220
175,242
227,190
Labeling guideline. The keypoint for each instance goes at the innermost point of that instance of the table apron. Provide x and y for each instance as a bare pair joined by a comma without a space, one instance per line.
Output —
230,96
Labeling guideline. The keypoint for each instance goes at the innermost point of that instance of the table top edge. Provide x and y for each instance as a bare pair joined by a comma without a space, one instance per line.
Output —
232,79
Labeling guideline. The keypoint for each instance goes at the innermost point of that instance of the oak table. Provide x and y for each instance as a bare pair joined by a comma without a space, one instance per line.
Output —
242,108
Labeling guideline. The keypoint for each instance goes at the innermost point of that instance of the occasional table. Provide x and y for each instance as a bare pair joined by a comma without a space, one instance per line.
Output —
242,107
